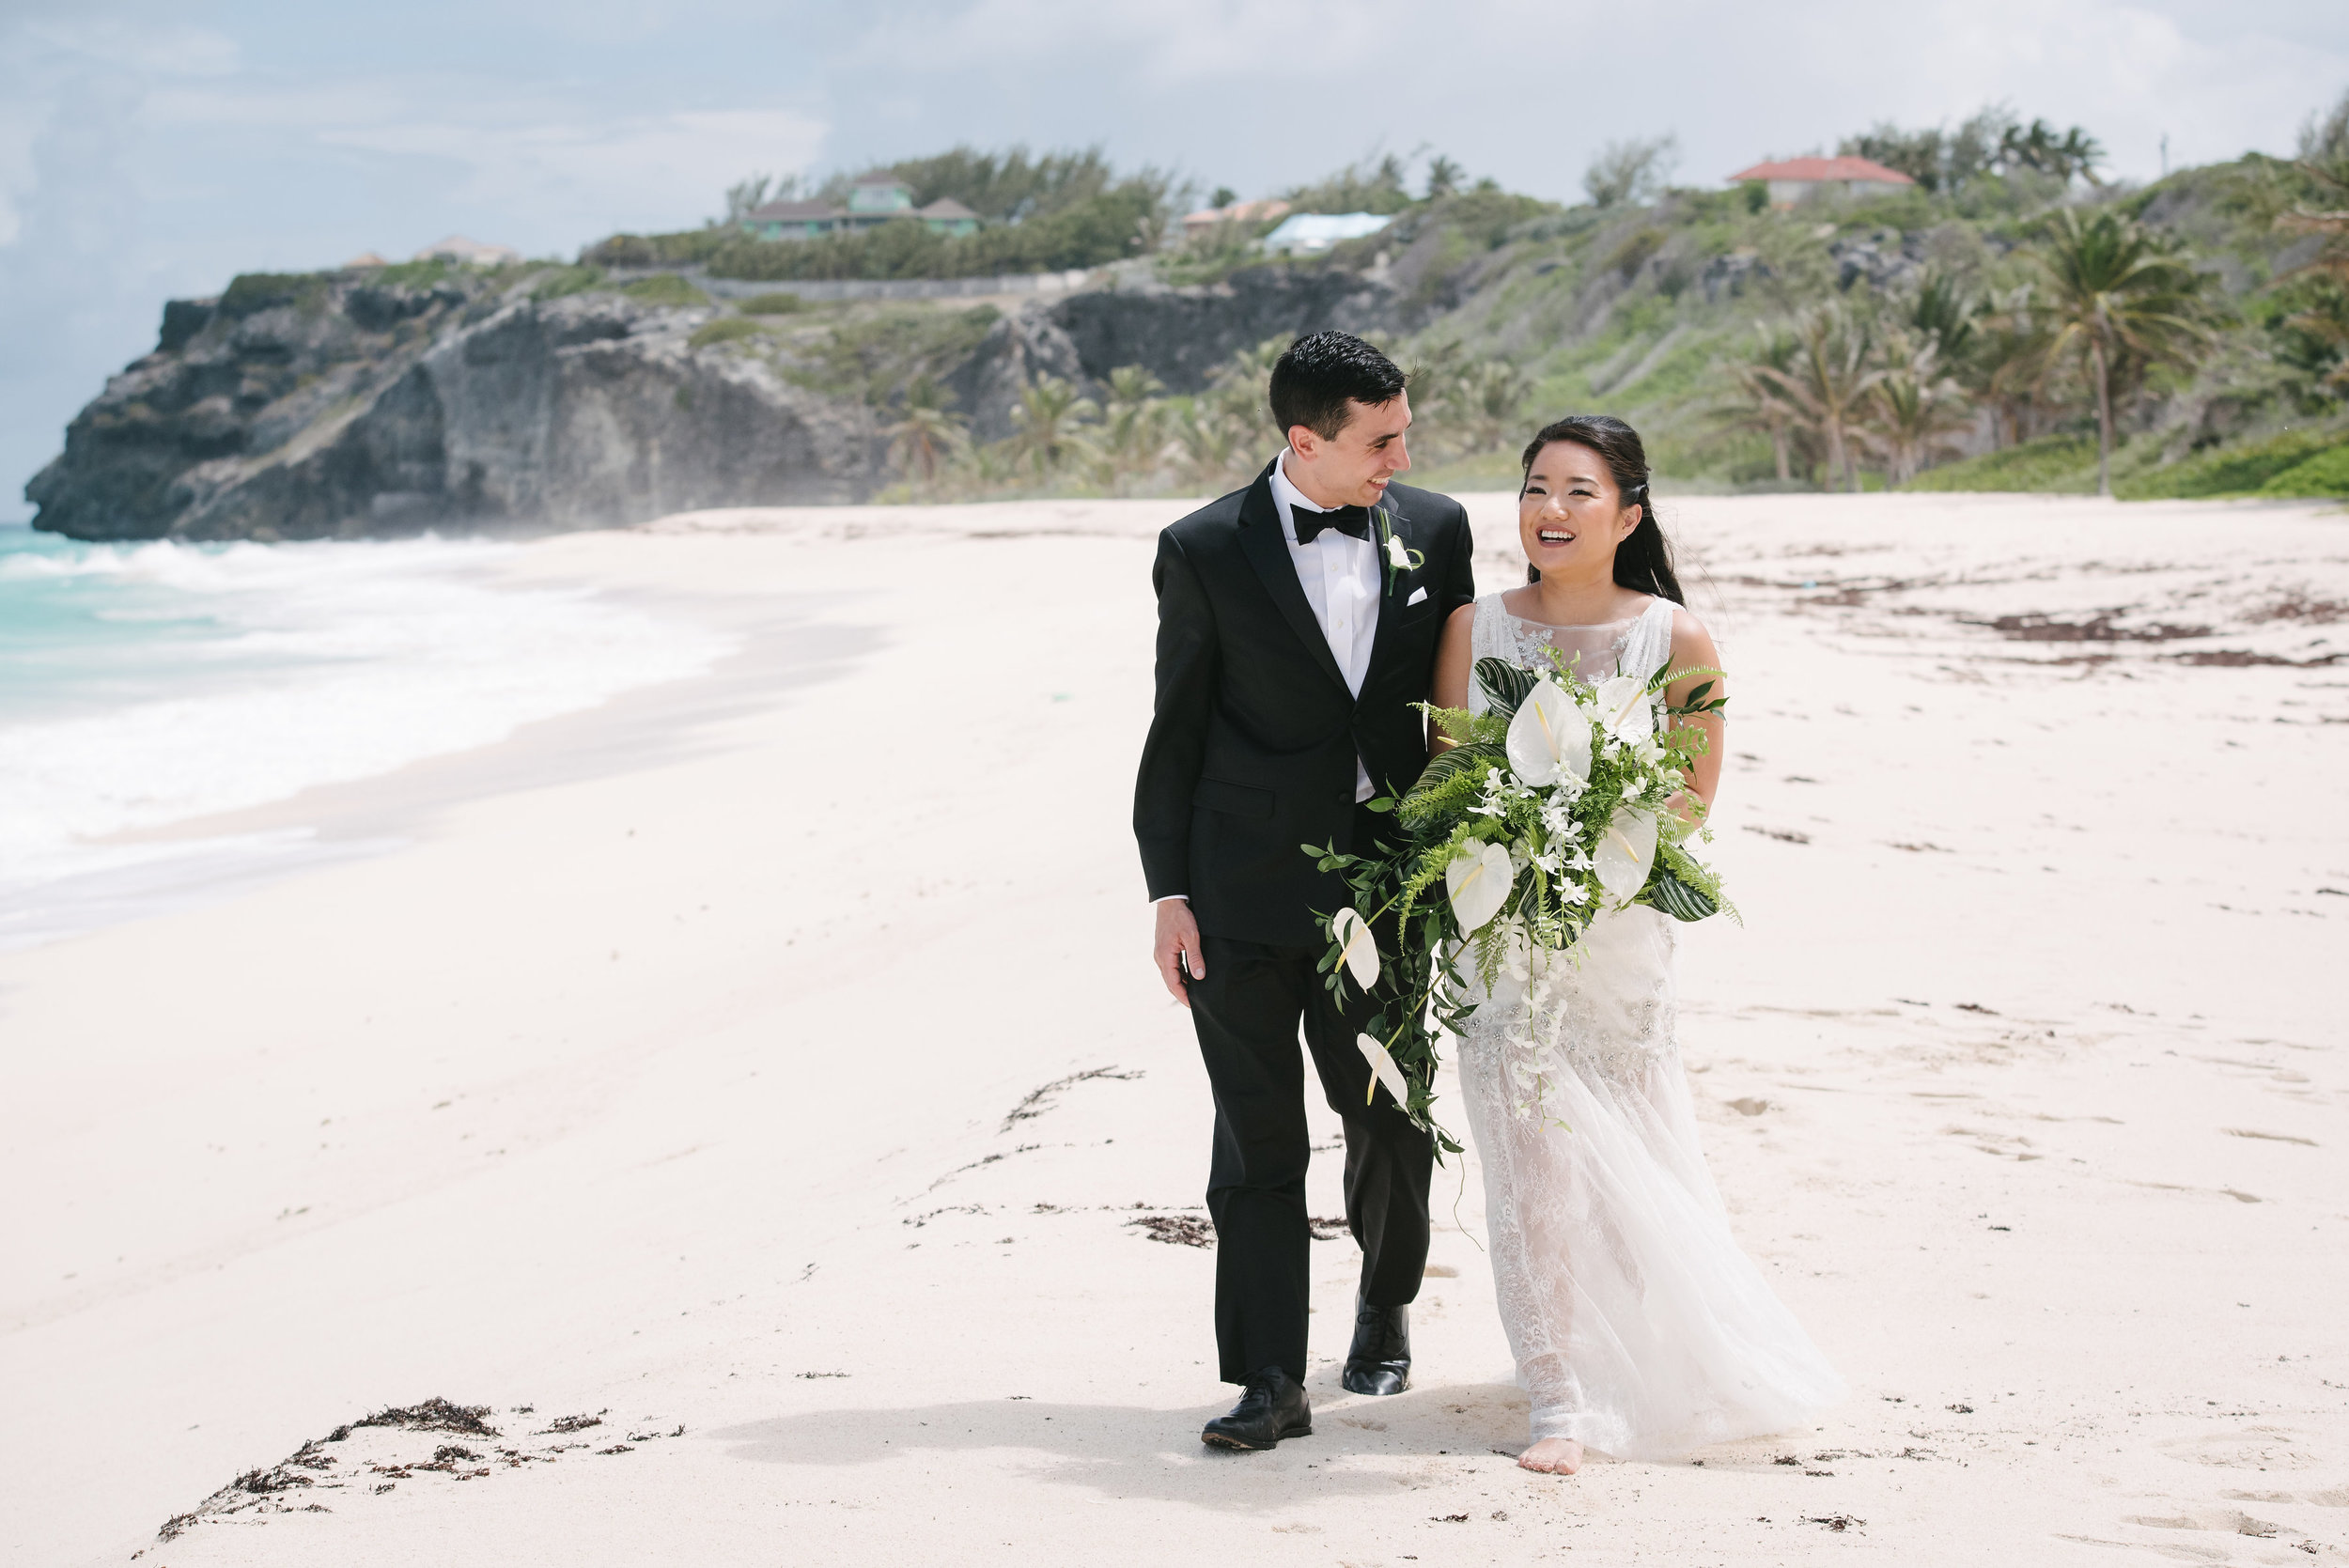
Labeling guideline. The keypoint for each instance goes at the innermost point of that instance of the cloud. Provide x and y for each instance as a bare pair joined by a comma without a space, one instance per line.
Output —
47,61
543,166
645,163
1263,95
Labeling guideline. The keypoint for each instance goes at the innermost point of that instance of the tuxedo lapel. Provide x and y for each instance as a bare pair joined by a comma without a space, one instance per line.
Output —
1395,583
1262,540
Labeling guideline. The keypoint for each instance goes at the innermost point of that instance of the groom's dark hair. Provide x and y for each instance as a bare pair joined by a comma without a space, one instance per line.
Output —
1321,374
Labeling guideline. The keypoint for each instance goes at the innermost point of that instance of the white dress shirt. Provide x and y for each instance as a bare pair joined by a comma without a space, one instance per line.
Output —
1341,579
1340,576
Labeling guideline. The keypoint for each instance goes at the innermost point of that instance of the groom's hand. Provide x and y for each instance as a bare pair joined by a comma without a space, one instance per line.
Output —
1177,939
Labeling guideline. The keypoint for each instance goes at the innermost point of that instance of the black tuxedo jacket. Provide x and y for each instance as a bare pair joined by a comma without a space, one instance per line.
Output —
1252,748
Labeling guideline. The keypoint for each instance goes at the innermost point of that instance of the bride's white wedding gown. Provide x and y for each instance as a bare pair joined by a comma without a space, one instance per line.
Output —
1638,1327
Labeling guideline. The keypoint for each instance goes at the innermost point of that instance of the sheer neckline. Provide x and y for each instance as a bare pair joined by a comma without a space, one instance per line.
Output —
1502,598
1558,626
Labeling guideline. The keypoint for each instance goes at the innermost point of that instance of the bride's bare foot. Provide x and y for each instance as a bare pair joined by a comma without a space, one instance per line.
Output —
1552,1456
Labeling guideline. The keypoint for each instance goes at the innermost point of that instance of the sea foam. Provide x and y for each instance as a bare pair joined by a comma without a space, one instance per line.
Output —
142,684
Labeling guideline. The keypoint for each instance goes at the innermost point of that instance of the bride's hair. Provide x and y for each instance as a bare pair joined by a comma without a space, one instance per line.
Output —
1644,561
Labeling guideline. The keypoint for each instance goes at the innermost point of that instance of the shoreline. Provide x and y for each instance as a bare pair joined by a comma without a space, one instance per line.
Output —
201,856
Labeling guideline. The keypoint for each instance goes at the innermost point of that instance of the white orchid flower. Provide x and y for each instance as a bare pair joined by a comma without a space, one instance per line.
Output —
1359,948
1478,883
1548,740
1496,795
1625,708
1626,850
1383,1070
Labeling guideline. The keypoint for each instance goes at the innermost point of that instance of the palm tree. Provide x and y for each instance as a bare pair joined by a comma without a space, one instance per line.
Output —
2325,325
1945,318
2038,147
1253,368
1438,397
2079,154
1827,383
2118,293
1757,404
2008,368
927,434
1133,430
1915,408
1047,425
1485,402
1211,441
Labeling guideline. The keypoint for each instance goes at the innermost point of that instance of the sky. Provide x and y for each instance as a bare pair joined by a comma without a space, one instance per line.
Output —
153,150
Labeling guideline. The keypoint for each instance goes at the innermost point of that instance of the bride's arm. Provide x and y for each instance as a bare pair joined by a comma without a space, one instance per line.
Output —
1693,650
1453,667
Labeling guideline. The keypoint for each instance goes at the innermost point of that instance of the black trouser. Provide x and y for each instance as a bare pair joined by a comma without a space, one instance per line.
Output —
1247,1011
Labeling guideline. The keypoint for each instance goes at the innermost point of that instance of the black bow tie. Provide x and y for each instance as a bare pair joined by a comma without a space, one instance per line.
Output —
1346,520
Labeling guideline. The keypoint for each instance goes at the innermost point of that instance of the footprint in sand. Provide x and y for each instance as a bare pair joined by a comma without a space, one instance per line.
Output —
2265,1448
2225,1519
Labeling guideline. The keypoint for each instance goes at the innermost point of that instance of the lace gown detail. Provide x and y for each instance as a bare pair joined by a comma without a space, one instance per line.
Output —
1639,1328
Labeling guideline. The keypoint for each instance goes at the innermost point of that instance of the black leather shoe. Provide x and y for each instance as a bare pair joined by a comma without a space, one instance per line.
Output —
1380,1361
1273,1408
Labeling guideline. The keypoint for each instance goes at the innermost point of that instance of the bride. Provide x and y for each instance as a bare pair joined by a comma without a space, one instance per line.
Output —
1639,1327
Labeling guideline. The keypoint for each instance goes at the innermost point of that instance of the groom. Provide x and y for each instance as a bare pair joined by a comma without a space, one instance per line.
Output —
1297,625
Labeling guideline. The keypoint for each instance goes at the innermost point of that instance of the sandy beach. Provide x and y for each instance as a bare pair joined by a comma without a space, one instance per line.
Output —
753,1096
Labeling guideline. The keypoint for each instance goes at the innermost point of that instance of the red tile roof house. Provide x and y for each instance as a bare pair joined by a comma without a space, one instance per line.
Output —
1794,178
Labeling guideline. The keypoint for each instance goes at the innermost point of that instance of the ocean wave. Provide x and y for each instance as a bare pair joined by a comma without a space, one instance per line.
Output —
241,675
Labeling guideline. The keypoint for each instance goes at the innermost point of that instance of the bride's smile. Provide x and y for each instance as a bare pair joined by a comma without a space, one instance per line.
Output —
1571,515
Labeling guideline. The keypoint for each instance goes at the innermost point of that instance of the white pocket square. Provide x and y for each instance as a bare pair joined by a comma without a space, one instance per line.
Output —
1419,596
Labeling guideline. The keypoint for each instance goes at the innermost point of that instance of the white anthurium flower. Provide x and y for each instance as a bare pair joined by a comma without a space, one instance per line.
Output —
1478,884
1359,948
1383,1070
1626,850
1625,708
1548,740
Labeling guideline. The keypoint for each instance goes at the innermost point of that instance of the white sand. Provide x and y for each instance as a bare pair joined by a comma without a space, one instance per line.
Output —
675,1059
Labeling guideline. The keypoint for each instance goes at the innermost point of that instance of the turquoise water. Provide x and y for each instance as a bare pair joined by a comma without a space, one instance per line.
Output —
74,638
145,685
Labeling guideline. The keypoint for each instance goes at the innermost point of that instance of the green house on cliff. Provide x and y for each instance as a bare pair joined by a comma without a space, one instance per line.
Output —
871,203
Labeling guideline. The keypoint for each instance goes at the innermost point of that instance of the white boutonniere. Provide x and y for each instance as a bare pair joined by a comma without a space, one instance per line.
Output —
1400,557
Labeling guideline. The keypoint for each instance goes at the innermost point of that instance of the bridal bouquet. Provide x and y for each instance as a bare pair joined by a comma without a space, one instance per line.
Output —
1548,807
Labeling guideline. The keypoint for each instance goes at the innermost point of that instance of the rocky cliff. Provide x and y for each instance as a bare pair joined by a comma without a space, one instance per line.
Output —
337,405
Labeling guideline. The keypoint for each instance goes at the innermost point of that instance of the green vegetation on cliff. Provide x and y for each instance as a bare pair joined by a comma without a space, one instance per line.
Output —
1060,211
1947,336
2007,322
